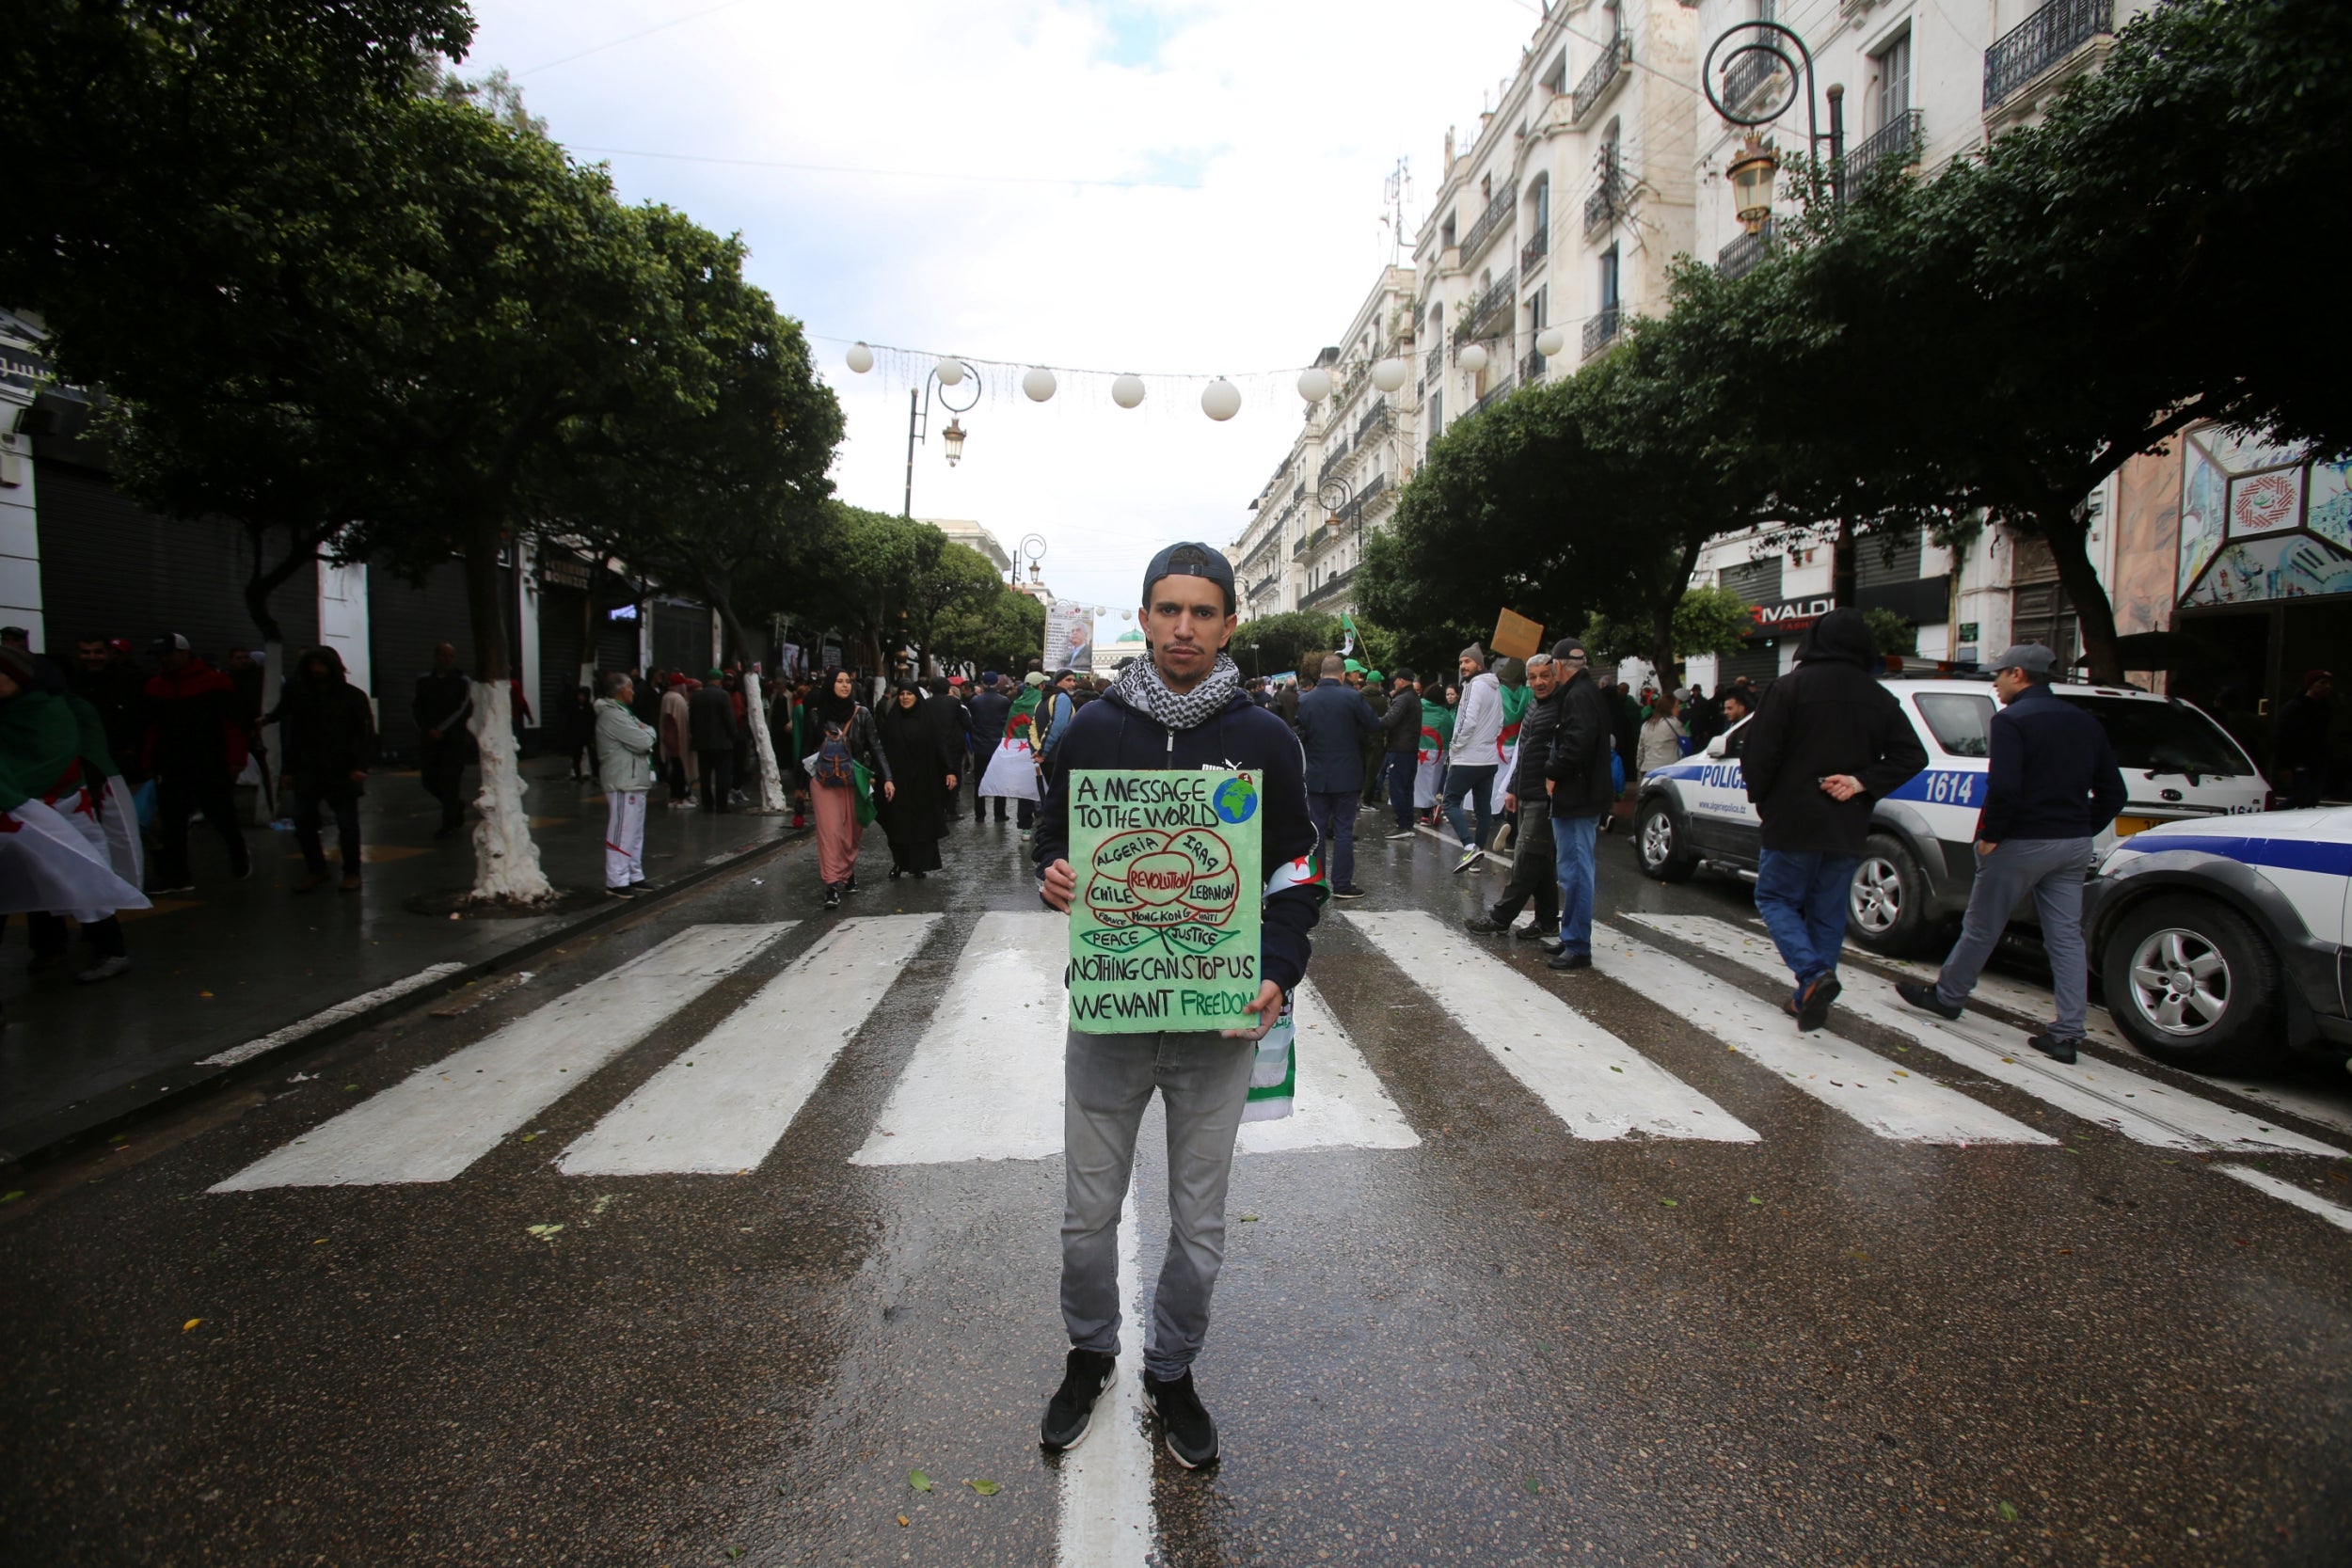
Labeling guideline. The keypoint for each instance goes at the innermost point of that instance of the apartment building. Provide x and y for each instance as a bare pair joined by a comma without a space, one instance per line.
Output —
1564,209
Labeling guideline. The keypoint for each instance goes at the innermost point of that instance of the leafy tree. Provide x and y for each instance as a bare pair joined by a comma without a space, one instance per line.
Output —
1001,632
1283,642
1891,632
959,582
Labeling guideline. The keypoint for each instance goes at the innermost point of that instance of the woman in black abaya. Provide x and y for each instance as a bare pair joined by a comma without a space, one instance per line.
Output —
916,816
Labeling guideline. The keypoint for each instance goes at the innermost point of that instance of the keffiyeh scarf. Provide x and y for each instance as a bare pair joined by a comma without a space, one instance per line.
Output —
1140,687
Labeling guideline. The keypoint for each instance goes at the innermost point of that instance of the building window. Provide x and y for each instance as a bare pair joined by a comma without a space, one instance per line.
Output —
1437,413
1892,64
1445,233
1539,205
1555,81
1609,279
1538,316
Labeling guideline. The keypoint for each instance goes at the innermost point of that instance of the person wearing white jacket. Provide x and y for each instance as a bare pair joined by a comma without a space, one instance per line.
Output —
625,763
1662,735
1471,761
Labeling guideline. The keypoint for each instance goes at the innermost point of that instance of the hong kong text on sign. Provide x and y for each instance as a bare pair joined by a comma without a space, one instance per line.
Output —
1164,930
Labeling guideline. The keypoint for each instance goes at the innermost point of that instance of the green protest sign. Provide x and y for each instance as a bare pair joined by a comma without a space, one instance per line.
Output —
1164,930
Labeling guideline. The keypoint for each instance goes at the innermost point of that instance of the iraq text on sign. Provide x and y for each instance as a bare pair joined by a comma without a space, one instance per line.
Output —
1164,930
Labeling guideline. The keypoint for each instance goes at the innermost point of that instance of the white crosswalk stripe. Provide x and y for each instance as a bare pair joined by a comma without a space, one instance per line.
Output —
1340,1103
985,1079
2139,1107
1597,1085
433,1125
1886,1098
725,1102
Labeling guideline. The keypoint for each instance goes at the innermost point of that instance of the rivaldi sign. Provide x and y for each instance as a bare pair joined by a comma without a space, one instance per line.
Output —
1772,620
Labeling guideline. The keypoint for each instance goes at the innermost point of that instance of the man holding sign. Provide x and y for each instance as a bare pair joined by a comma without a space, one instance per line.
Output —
1163,804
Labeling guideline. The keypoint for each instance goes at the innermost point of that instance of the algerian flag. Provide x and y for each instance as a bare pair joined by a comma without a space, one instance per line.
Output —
1348,625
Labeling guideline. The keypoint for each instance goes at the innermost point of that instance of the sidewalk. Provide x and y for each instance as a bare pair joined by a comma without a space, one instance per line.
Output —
235,963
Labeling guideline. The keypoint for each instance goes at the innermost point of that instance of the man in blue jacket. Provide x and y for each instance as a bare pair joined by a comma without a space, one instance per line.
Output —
1182,708
2051,784
1335,724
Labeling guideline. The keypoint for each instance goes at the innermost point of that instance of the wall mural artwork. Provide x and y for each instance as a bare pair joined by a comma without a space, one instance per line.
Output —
2252,530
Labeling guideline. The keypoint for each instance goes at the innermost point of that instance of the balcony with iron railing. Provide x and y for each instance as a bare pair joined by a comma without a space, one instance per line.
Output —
1497,301
1378,417
1325,592
1531,368
1896,145
1531,253
1495,393
1744,79
1432,362
1355,508
1331,461
1739,258
1606,73
1498,213
1601,330
2041,42
1607,201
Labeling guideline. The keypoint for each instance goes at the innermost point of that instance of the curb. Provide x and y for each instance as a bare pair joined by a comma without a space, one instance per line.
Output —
40,1140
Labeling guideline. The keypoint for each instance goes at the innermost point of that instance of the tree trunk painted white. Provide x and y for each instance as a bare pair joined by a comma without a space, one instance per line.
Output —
506,861
274,760
772,801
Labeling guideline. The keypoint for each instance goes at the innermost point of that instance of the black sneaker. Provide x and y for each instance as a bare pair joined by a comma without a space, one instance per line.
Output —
1484,926
1548,943
1924,998
1540,931
833,897
1071,1411
1191,1436
1564,960
1349,892
1813,1002
2057,1050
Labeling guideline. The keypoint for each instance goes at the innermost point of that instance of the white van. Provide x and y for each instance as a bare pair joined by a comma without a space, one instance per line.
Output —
1920,860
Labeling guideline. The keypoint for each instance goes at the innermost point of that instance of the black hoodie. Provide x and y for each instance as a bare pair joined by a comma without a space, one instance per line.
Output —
328,728
1830,715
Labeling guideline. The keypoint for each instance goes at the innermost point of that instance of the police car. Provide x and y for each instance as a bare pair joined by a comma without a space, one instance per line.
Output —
2216,938
1916,868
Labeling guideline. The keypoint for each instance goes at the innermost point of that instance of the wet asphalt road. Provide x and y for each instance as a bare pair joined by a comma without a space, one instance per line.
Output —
1503,1345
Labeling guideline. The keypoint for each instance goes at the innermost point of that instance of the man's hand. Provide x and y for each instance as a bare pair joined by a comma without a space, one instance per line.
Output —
951,783
1059,886
1269,1010
1550,784
890,791
1985,849
1510,801
1841,786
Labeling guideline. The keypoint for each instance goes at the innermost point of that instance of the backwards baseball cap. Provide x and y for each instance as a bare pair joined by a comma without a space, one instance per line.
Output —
1568,647
170,642
1191,560
2032,657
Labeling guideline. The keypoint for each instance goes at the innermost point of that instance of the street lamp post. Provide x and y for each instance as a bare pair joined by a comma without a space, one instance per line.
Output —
1032,547
919,419
1752,172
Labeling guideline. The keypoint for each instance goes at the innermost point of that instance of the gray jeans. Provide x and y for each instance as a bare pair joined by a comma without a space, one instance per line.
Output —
2052,869
1203,1079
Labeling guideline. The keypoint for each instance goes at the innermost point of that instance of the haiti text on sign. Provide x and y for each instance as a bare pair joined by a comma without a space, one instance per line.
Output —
1164,930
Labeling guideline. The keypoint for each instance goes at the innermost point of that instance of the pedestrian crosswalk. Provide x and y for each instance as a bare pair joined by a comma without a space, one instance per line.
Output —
983,1080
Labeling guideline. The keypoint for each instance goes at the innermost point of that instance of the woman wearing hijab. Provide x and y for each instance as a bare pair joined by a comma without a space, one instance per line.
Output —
1437,736
844,732
916,816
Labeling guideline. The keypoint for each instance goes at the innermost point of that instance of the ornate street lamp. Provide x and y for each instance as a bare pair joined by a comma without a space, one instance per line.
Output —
1755,44
947,373
1032,548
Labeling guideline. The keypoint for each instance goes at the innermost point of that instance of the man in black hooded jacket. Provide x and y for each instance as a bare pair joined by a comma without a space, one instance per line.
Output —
328,731
1828,742
1182,708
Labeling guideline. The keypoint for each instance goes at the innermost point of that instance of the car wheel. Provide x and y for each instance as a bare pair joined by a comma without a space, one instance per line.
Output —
1658,843
1886,906
2191,983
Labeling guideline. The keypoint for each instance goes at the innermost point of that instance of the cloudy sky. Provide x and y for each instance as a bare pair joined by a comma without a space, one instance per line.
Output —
1165,188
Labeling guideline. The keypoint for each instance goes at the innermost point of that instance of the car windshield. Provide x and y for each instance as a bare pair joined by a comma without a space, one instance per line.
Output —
2162,737
1960,720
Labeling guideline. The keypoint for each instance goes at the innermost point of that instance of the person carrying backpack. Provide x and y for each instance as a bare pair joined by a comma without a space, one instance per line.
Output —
846,740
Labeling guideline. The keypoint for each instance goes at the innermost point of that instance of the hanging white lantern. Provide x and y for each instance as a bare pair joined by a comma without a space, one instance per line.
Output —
1388,374
1550,341
1127,391
1472,357
1038,384
950,372
861,359
1314,385
1220,400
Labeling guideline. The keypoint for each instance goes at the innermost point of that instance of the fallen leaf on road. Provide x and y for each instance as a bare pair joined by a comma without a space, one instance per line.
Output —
985,1488
1534,1487
544,1232
1753,1198
2007,1511
203,993
1670,1202
11,1198
902,1521
917,1479
1247,1219
190,1323
1616,1070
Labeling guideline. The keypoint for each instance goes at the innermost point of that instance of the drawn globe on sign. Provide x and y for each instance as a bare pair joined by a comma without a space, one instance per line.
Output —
1177,886
1236,800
